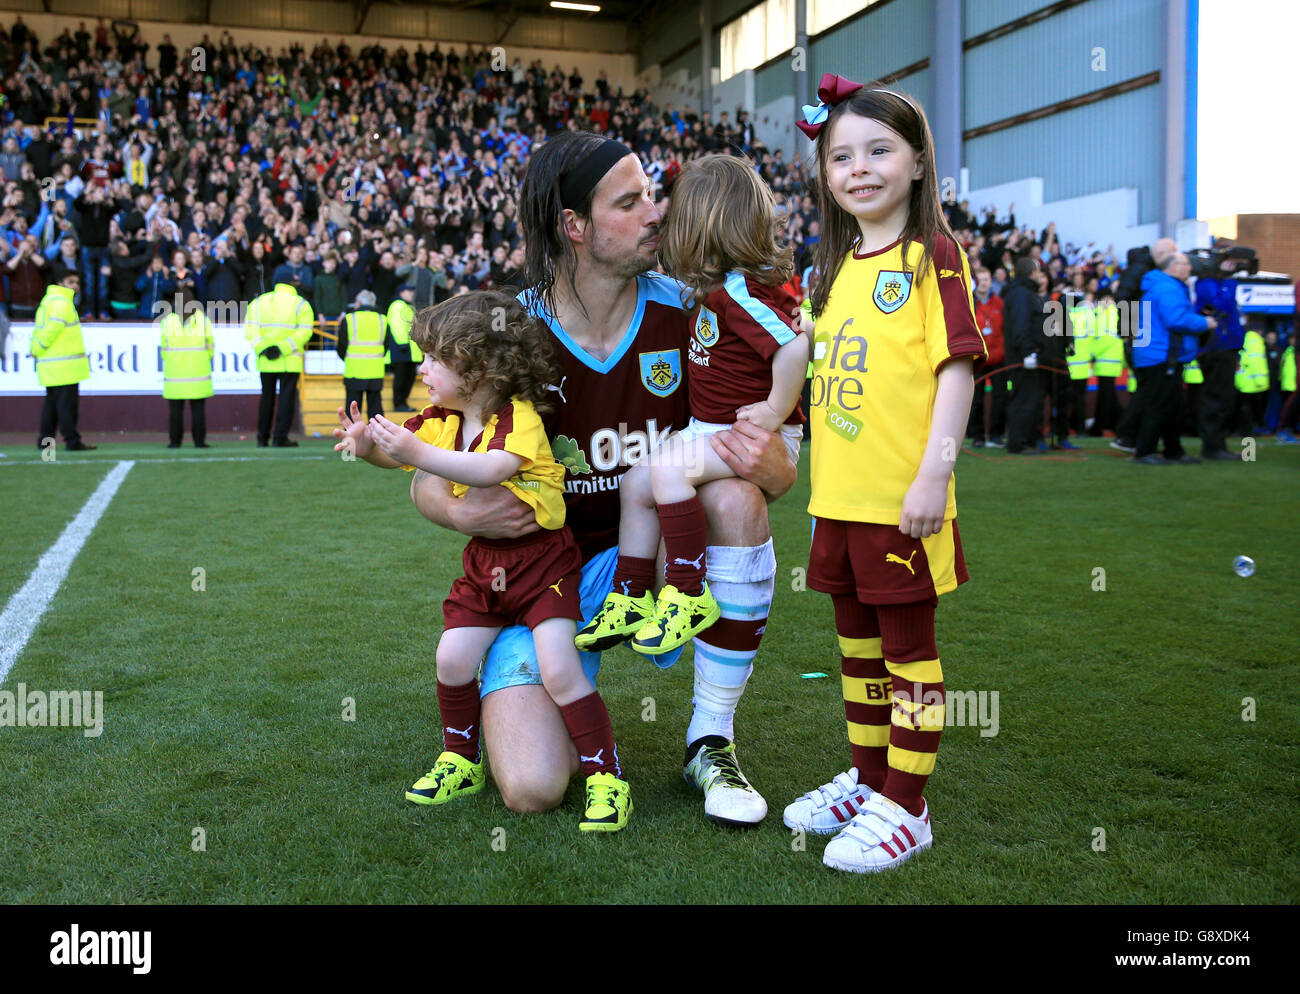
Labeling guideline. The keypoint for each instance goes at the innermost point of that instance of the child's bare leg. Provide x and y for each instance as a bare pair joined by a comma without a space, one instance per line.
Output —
459,652
676,470
638,522
677,467
626,606
581,707
557,660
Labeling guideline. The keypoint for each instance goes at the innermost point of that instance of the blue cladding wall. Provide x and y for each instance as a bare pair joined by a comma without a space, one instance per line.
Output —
688,60
917,85
1112,143
985,15
1053,60
881,41
776,81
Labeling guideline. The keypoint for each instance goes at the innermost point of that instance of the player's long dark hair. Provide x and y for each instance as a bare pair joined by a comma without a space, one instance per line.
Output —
487,336
547,250
925,220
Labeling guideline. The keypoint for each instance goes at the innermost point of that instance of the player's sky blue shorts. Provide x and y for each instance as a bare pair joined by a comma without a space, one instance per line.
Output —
512,660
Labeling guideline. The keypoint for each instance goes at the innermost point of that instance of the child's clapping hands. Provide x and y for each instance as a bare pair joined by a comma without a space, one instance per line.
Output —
354,433
394,440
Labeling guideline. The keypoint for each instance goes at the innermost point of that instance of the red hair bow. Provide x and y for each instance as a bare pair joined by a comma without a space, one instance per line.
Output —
833,89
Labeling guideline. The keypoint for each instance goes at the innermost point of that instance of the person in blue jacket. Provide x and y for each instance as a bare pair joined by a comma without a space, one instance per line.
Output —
154,284
1218,362
1166,341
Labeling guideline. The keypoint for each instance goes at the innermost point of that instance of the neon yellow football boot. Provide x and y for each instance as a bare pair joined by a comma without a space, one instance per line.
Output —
609,804
618,619
452,776
678,618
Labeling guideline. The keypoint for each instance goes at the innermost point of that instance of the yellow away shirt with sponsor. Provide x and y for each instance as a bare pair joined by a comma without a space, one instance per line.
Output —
516,428
877,351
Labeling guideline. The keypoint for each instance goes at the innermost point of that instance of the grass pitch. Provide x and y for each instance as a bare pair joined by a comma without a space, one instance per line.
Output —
1120,710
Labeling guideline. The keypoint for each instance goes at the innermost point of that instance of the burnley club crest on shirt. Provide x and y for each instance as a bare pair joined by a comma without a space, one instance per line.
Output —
661,372
706,327
892,290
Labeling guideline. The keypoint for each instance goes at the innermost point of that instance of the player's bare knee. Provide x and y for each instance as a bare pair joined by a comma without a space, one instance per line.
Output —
736,512
533,796
525,802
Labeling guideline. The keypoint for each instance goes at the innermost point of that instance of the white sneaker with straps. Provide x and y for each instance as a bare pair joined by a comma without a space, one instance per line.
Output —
828,808
880,837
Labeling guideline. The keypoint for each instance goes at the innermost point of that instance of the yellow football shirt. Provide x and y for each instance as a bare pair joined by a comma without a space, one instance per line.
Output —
877,351
516,428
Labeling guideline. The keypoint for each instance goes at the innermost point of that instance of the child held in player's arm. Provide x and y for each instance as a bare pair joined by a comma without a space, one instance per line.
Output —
748,362
892,373
487,366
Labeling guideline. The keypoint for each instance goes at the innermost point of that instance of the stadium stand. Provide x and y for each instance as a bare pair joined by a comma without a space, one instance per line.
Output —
358,169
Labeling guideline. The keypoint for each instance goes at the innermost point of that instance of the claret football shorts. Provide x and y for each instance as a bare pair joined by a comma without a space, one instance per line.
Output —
881,565
512,660
521,581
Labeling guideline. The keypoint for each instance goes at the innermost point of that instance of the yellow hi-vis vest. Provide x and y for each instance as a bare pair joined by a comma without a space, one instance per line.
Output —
1192,374
1287,374
400,316
365,360
1252,377
57,345
1080,364
281,318
1107,346
186,351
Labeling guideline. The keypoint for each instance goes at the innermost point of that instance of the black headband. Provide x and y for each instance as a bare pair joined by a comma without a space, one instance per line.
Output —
582,179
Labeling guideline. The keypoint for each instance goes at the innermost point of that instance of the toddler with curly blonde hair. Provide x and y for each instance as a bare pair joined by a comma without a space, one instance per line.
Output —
487,366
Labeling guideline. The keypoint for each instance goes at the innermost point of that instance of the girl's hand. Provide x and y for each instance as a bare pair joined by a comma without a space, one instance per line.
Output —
354,433
923,507
394,440
761,414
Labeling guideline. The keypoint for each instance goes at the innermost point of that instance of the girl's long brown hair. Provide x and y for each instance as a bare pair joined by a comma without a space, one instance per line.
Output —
721,217
487,336
925,220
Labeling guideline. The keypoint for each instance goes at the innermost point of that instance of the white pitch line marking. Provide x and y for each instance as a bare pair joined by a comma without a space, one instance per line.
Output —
101,462
24,611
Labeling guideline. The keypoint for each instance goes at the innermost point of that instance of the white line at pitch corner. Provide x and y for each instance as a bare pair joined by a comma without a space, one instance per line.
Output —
24,611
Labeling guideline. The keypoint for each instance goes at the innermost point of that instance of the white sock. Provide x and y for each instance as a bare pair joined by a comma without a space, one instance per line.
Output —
742,580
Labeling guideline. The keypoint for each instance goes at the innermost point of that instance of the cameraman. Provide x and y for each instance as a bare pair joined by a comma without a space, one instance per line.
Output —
1217,295
1158,360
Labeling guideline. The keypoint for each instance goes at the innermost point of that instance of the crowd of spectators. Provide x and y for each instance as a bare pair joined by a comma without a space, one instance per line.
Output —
225,166
995,243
